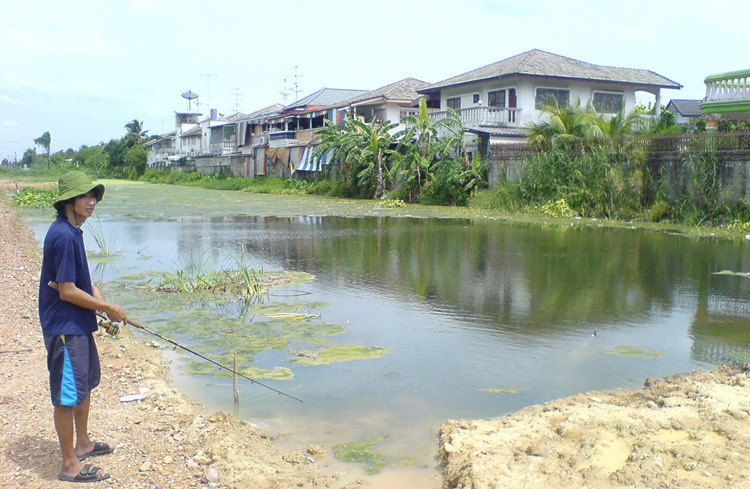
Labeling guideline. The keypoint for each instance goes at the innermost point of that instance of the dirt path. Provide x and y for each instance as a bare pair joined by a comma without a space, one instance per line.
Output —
162,441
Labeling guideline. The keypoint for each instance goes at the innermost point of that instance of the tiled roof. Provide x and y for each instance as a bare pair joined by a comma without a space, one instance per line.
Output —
230,119
541,63
325,97
196,131
685,108
405,89
264,112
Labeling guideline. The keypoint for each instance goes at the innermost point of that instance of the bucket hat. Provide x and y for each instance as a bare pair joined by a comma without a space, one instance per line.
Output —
75,183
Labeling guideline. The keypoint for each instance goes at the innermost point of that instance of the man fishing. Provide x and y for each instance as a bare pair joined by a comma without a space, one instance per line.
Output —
68,302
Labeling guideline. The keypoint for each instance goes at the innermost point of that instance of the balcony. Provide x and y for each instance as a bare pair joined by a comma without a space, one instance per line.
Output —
224,147
727,93
482,116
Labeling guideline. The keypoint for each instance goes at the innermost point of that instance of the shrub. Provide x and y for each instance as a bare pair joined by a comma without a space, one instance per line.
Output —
558,208
660,211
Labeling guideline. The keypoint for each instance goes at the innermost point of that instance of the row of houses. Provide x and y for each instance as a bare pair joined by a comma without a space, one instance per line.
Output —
495,103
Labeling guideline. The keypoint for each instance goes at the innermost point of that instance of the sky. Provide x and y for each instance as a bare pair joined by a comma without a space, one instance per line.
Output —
82,69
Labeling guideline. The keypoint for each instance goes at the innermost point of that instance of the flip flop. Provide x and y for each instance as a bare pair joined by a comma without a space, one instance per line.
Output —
86,474
99,449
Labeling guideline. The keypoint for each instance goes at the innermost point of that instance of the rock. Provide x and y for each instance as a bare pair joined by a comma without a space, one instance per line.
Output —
316,451
212,474
145,466
167,460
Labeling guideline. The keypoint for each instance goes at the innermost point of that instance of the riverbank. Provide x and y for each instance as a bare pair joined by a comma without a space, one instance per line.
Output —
692,429
163,440
687,431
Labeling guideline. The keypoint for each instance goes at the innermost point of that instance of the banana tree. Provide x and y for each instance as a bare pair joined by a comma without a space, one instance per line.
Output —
423,145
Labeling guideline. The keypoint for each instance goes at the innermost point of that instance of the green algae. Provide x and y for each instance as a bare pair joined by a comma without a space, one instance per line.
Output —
340,352
206,368
635,351
510,390
733,274
226,328
362,452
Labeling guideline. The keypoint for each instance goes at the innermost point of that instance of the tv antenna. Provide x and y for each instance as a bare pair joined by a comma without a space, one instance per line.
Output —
237,98
190,96
208,85
295,86
284,93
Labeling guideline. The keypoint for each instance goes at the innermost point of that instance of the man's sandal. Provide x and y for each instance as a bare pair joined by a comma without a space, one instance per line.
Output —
99,449
87,474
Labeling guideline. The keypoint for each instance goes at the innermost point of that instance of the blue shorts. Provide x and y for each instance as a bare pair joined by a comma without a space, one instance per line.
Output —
73,364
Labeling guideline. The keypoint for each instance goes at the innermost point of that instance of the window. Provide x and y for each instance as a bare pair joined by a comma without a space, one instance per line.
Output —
608,102
476,99
545,94
496,98
454,103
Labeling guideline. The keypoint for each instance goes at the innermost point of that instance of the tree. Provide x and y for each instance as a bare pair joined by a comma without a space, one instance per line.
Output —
362,149
28,156
44,141
423,145
135,133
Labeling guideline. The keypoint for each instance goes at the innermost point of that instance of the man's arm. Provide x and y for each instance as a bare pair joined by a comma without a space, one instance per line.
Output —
70,293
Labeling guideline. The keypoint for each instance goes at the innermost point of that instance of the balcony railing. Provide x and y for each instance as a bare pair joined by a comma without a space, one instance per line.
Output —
224,147
727,93
482,116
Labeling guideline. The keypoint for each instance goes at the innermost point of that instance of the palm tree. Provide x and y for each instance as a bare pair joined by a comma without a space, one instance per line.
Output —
135,132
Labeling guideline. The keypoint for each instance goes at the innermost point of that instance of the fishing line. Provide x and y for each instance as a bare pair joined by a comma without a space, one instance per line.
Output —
150,331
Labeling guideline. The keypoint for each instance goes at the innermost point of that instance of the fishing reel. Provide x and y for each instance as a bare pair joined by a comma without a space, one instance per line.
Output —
112,328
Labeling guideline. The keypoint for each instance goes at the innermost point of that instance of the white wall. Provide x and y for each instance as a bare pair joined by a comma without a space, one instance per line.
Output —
526,93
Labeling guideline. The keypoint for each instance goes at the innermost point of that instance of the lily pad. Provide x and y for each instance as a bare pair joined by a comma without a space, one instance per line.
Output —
635,351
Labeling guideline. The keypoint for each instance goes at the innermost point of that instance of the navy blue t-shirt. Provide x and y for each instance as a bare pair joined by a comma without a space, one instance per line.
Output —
64,260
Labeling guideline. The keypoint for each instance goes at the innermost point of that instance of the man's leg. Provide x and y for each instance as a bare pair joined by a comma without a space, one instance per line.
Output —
64,426
65,417
81,418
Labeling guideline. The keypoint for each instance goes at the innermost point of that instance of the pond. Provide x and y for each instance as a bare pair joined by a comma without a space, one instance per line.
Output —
445,318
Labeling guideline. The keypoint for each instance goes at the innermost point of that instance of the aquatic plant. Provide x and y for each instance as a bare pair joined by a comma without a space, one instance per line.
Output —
34,198
362,452
635,351
511,390
104,242
340,352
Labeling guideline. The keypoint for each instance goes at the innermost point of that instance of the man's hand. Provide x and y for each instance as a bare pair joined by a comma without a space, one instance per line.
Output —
115,313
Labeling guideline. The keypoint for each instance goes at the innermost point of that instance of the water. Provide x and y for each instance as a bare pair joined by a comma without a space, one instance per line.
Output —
479,318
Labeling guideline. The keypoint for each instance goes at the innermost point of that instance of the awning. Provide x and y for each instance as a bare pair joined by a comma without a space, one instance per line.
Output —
308,162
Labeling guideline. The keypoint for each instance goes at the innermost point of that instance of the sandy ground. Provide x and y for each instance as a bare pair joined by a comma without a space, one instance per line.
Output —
686,431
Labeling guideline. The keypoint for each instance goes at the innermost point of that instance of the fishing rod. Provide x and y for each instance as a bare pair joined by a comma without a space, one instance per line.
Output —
150,331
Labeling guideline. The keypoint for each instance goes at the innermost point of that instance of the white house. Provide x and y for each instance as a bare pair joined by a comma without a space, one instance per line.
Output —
502,98
391,102
160,149
684,110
